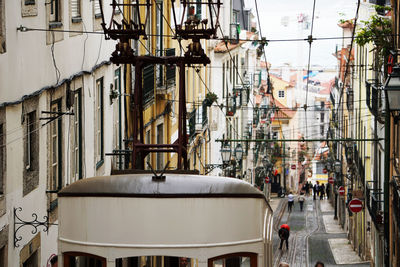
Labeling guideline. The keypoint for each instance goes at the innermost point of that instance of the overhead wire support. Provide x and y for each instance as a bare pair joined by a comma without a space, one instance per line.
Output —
303,140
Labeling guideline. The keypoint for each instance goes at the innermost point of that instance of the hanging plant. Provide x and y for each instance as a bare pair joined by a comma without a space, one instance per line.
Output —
210,99
378,31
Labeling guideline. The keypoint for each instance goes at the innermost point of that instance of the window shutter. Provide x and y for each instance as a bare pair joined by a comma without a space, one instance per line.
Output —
97,7
75,8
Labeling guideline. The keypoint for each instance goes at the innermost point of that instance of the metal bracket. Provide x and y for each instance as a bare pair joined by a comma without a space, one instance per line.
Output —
35,223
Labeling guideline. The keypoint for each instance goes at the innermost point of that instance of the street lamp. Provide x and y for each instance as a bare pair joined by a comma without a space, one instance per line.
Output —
338,166
239,152
226,153
392,89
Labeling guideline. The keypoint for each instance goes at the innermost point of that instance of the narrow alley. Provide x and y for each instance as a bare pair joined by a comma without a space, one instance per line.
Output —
314,235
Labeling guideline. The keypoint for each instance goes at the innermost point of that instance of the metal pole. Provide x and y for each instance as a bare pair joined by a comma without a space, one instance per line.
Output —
386,186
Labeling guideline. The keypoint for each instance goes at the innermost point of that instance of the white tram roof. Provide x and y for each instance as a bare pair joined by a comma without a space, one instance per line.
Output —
174,186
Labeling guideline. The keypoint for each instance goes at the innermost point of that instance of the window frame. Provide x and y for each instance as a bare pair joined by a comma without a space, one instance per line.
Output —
76,146
96,9
30,138
77,17
55,11
281,93
56,125
99,106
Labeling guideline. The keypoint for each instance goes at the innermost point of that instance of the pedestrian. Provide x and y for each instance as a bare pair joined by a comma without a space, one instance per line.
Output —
301,200
283,264
319,264
322,191
328,190
315,190
309,188
290,201
306,188
284,233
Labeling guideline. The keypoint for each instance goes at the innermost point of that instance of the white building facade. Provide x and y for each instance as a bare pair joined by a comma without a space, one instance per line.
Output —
57,119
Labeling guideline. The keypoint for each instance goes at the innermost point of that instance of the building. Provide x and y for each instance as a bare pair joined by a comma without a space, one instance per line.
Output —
61,112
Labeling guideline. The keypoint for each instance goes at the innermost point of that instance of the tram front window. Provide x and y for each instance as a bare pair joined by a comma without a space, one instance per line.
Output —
234,260
71,260
156,261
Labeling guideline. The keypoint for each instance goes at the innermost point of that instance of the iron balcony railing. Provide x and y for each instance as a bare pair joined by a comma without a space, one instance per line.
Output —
204,114
148,84
375,204
396,199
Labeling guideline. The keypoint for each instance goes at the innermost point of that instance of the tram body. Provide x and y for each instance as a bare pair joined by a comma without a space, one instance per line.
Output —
136,220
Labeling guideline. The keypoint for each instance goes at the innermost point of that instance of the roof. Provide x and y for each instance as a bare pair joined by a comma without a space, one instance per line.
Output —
174,185
221,47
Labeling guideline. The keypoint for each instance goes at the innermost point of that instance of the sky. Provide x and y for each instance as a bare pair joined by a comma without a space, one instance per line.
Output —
279,20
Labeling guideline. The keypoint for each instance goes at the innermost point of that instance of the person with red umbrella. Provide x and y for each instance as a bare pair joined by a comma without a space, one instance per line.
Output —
283,233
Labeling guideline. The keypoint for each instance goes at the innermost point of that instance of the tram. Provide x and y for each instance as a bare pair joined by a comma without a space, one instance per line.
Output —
178,220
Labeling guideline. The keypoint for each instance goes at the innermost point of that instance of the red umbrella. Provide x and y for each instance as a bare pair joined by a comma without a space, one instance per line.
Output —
285,226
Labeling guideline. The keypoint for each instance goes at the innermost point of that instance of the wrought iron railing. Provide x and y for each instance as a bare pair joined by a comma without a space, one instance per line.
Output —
374,204
148,83
204,114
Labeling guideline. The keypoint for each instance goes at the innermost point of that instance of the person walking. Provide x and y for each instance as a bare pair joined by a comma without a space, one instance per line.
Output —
301,200
284,233
328,190
319,264
322,191
315,190
309,188
290,201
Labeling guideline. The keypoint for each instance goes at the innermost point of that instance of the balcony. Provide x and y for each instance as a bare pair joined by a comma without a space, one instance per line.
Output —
231,108
358,161
375,204
166,74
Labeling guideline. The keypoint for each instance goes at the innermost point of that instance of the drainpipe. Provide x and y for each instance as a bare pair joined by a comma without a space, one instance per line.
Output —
386,186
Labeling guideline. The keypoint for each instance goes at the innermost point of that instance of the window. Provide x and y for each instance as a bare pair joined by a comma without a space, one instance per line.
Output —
76,140
322,104
55,148
30,140
99,123
117,108
322,117
76,10
235,16
274,135
160,140
30,156
32,261
281,93
97,10
148,83
29,2
198,9
55,14
322,129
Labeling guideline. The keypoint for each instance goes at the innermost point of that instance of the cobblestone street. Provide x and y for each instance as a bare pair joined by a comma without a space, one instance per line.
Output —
314,235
